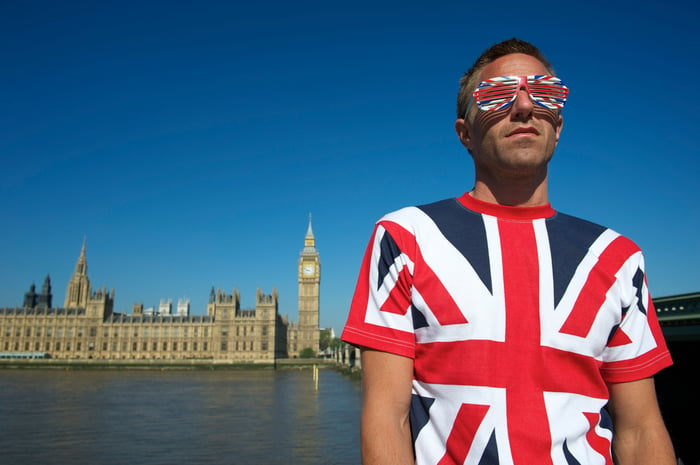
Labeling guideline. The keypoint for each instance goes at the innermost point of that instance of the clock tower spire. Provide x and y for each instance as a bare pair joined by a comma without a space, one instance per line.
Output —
309,295
310,240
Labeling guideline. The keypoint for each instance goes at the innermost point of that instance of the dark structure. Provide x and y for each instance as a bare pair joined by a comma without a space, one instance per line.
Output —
679,316
32,300
677,385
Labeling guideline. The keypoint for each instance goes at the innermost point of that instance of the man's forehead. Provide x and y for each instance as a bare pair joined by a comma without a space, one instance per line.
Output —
514,64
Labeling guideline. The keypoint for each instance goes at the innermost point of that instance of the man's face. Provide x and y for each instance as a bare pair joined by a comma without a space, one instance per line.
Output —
518,140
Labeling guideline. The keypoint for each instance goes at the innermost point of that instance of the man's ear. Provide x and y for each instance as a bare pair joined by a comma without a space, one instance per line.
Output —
559,127
464,133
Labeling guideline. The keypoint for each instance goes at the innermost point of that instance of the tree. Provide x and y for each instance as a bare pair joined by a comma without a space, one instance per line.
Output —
307,352
325,339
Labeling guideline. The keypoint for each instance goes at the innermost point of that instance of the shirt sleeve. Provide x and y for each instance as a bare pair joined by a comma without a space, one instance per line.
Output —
636,349
380,312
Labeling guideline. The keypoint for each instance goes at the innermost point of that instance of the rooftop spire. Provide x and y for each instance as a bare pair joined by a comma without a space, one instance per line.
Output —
309,232
309,240
81,265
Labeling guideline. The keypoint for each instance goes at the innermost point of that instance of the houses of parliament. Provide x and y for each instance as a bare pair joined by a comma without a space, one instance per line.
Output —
86,327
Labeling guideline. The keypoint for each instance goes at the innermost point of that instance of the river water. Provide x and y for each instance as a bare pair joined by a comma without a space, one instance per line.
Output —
178,417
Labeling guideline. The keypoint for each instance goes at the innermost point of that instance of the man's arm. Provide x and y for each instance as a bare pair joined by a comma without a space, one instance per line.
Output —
385,432
640,436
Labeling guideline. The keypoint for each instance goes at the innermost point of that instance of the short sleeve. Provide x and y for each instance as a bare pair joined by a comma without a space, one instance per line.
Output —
636,349
380,312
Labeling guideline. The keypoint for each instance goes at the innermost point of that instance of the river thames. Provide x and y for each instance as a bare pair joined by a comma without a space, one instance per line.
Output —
178,417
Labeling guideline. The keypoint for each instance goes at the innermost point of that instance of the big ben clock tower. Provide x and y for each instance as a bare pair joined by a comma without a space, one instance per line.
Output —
309,296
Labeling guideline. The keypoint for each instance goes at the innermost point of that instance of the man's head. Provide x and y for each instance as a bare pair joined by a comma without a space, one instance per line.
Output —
473,76
513,142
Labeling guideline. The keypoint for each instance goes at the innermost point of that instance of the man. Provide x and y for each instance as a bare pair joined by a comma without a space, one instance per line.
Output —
495,330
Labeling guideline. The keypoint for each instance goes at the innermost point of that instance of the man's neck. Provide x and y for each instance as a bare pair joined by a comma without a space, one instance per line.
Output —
512,193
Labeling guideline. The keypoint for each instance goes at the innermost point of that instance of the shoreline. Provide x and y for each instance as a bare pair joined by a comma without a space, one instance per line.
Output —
163,365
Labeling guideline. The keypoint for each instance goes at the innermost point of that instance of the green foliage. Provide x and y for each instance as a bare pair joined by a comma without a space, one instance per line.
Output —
337,344
307,352
325,339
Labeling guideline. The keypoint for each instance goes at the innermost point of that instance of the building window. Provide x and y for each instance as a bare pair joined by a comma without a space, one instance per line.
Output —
205,346
28,332
224,346
93,331
174,346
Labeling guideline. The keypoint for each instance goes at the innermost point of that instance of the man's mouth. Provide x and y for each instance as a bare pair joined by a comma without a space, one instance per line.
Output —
525,130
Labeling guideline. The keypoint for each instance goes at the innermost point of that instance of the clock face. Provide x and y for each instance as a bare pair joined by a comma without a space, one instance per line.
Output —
308,270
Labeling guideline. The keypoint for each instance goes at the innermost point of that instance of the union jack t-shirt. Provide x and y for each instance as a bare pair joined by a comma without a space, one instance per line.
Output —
516,318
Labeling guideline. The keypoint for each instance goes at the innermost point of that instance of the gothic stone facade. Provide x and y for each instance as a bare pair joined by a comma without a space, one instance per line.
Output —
87,327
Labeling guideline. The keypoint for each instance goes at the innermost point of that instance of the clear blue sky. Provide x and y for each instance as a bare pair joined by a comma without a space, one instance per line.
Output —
189,141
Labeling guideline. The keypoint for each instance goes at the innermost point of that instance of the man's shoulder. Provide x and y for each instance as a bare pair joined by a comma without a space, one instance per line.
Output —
575,222
573,228
413,211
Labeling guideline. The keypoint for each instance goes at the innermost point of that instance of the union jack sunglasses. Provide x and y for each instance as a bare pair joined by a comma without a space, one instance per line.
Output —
500,92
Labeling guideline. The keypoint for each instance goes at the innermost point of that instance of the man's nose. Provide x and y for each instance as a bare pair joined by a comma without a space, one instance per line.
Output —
523,105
